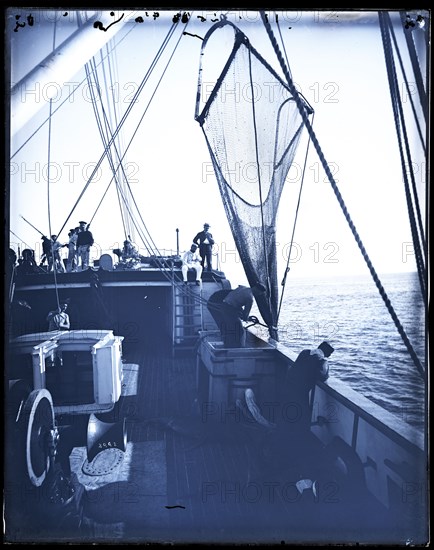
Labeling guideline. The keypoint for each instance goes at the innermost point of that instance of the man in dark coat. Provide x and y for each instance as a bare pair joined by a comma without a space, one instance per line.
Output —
84,242
205,241
47,252
310,367
230,308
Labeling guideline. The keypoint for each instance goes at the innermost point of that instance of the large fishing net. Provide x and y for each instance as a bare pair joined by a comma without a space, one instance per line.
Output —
252,127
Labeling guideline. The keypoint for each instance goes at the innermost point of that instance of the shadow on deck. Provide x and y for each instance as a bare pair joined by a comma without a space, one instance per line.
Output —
217,478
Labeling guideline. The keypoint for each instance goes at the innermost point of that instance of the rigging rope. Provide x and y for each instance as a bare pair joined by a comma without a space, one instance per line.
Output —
134,99
293,227
104,135
152,248
147,241
410,95
113,76
341,202
121,123
400,125
48,189
120,182
255,132
283,284
409,163
416,68
137,127
108,124
423,144
283,43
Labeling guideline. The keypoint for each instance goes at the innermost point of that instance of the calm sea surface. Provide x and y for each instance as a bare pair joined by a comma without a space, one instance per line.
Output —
370,354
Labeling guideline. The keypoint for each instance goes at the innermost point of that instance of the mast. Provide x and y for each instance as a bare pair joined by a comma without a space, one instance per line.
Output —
60,66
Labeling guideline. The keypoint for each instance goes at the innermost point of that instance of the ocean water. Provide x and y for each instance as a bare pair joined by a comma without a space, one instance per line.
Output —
370,354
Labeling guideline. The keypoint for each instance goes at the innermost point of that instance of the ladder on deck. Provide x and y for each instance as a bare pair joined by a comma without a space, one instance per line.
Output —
187,316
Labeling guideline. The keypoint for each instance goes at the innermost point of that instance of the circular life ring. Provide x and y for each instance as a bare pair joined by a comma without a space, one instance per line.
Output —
39,426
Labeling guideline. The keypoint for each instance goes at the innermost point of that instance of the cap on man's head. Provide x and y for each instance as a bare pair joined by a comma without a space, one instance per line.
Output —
206,225
54,236
82,223
326,348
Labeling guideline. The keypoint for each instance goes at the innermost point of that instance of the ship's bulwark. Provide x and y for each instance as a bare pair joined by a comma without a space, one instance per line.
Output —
135,311
137,305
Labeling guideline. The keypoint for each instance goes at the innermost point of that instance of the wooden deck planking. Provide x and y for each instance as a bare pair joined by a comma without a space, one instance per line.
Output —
196,467
204,476
220,489
207,474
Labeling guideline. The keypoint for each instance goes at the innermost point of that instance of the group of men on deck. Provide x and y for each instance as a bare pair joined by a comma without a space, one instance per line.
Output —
79,243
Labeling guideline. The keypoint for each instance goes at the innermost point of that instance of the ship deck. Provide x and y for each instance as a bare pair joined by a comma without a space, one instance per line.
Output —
192,478
191,472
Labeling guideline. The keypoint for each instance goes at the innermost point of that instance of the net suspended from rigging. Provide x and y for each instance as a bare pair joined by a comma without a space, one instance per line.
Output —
252,127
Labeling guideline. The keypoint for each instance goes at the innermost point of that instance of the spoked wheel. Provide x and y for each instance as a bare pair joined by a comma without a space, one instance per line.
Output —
52,502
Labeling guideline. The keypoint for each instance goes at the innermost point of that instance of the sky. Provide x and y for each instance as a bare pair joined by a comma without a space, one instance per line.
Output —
337,63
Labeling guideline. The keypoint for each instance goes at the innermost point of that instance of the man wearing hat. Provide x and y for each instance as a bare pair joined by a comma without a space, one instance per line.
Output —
84,242
310,367
205,241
